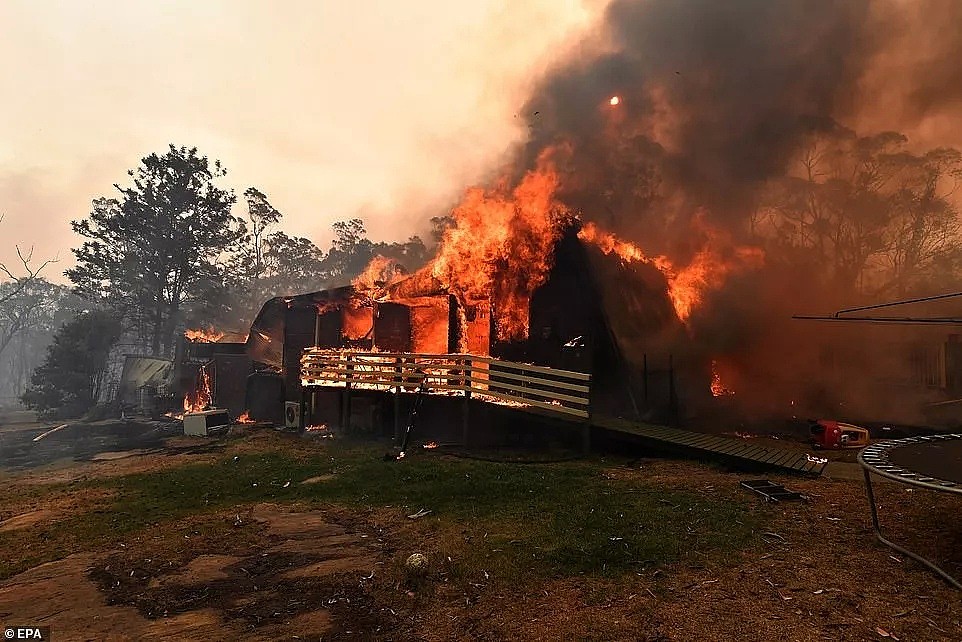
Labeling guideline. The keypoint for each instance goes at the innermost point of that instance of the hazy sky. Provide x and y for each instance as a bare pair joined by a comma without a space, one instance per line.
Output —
334,108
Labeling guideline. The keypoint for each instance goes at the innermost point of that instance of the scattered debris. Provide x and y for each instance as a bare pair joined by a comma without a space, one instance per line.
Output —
771,491
827,433
416,564
420,513
50,432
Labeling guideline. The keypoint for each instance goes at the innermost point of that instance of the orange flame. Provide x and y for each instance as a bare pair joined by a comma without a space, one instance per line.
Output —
615,100
718,389
201,397
686,285
380,272
200,335
245,418
510,235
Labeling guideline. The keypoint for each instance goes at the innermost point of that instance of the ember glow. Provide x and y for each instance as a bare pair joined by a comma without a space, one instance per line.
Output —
200,399
245,418
718,389
615,100
200,335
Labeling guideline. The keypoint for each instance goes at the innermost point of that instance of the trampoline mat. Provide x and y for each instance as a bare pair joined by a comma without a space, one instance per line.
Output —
939,459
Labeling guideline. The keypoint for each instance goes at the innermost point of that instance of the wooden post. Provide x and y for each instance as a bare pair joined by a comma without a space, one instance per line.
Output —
301,423
346,418
397,402
645,366
586,427
671,390
468,372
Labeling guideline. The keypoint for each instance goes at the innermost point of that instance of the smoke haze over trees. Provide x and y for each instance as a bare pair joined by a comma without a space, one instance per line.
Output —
71,378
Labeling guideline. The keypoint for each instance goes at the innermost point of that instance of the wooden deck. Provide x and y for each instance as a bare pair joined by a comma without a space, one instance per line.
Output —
560,394
713,446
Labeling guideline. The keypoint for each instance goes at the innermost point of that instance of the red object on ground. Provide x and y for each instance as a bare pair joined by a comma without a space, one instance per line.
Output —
827,433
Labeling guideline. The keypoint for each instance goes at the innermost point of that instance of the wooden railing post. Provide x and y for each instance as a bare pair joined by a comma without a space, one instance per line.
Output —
672,399
397,401
346,420
645,367
302,419
468,373
586,427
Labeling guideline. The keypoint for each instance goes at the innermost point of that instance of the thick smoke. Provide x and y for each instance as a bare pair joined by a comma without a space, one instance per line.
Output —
716,100
717,94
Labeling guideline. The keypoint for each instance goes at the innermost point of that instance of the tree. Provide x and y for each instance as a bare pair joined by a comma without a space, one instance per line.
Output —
439,226
410,254
27,326
160,246
350,252
262,215
924,233
873,217
69,381
33,305
292,265
19,282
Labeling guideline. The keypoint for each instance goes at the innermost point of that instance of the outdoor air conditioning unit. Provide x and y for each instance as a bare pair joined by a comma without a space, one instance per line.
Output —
208,422
292,414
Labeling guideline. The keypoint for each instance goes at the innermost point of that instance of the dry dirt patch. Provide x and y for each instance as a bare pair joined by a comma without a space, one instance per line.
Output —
60,595
265,573
303,574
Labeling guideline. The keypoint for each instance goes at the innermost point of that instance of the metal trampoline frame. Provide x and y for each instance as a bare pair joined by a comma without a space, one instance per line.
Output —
875,459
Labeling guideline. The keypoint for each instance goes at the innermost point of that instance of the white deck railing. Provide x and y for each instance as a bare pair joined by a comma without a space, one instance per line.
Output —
506,382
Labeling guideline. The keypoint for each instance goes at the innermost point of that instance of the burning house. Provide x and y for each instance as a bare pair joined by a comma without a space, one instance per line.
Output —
590,312
677,197
211,370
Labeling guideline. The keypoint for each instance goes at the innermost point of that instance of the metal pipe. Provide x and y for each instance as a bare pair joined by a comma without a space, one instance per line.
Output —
902,302
893,320
904,551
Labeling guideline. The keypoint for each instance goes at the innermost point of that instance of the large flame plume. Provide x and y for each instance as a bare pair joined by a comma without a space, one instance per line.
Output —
687,284
500,247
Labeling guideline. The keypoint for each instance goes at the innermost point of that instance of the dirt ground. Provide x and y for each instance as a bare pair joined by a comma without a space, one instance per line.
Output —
321,572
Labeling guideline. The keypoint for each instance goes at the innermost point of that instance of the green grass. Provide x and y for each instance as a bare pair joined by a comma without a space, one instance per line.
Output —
550,520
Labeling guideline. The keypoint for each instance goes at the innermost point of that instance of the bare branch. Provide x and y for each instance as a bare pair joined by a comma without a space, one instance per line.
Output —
31,274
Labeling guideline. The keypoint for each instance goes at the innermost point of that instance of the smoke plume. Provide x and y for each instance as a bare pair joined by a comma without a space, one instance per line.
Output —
716,101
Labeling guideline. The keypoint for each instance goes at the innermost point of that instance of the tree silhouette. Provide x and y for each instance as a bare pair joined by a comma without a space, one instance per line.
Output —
161,245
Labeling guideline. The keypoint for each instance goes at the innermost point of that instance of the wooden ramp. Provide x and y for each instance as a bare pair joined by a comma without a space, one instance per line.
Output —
695,443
